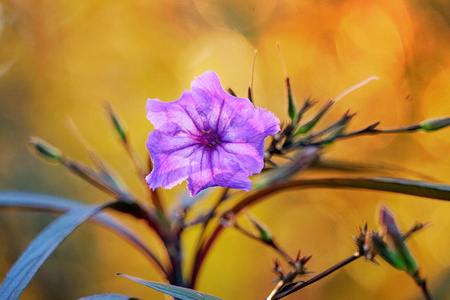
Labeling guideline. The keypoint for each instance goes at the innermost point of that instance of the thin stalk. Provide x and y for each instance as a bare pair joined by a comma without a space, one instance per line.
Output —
141,174
202,253
212,212
175,253
273,244
371,130
426,293
119,129
199,243
327,272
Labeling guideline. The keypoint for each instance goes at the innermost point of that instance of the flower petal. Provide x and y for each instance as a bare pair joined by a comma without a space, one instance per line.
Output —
217,168
252,125
212,101
171,156
179,112
250,157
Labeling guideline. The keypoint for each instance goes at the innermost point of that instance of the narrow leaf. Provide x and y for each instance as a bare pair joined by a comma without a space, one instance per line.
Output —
387,184
305,128
37,252
173,290
51,203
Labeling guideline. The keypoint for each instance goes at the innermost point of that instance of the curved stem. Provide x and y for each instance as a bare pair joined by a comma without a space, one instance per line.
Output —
199,244
201,254
388,184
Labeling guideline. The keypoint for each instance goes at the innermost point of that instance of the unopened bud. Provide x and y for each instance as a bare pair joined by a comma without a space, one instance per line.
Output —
395,251
435,124
264,233
118,125
44,149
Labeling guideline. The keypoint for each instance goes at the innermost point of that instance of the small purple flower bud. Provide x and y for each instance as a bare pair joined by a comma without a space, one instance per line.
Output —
393,249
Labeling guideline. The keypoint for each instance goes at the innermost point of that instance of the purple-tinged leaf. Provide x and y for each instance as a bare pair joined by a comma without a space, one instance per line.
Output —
108,297
50,203
173,290
37,252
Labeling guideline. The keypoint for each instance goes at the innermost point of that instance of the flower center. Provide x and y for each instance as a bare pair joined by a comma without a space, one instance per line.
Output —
209,138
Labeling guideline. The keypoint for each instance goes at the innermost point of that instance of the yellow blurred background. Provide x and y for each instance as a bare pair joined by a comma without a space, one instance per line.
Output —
65,58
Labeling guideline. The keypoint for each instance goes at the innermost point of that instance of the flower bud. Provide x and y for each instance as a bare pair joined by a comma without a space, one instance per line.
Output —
292,108
118,125
41,147
435,124
394,250
264,233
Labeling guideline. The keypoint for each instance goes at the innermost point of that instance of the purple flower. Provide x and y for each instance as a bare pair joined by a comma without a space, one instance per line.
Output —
207,137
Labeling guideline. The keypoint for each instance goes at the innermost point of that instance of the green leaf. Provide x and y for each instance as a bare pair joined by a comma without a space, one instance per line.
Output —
305,128
175,291
37,252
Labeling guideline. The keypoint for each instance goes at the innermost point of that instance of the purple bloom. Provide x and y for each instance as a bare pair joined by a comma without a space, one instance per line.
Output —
207,137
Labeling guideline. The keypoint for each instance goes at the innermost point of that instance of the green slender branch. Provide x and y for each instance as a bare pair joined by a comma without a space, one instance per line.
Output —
427,126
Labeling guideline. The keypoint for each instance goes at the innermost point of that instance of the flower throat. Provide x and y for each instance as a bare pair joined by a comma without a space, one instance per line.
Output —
210,138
